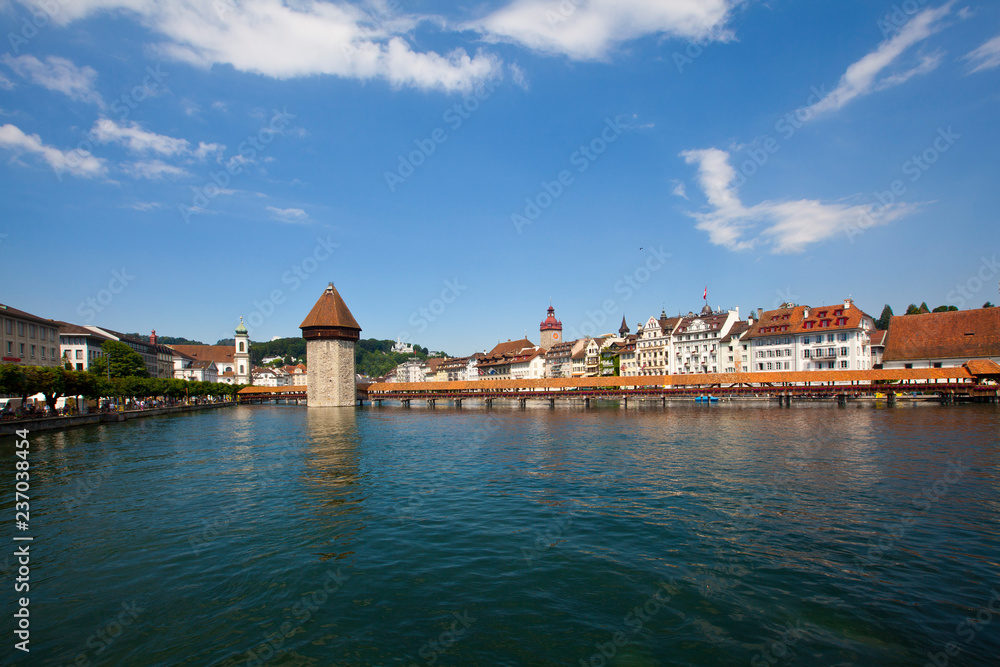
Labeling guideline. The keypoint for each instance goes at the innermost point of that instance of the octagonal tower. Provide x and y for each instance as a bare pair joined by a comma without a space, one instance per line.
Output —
331,333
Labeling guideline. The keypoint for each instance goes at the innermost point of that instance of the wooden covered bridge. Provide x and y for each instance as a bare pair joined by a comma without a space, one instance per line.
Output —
976,380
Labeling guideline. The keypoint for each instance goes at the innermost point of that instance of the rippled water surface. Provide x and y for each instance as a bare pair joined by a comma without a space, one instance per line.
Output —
685,535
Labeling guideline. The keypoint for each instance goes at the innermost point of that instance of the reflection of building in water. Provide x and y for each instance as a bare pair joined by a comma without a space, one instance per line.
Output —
330,477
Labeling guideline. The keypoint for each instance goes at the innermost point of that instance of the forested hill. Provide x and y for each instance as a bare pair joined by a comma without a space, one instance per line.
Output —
372,357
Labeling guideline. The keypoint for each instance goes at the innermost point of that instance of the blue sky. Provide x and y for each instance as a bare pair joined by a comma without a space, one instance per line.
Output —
175,165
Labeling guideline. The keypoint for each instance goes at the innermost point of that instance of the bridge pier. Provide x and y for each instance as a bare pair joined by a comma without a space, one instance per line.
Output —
431,402
891,397
626,401
586,402
842,400
405,402
522,402
489,402
458,403
552,403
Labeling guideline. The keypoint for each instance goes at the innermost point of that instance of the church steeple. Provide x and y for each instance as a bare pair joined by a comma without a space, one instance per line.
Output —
623,329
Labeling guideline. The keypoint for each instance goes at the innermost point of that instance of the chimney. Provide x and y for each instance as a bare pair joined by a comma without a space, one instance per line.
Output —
152,338
805,312
847,303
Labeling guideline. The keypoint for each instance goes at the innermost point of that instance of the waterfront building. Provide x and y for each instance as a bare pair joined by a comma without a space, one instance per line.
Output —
269,377
653,344
734,350
627,363
559,358
411,370
528,364
877,347
158,360
802,338
550,330
579,360
694,343
331,333
200,371
28,339
80,346
241,357
495,364
943,340
433,372
223,356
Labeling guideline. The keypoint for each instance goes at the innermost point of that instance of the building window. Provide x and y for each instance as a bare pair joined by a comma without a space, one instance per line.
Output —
844,352
20,329
79,354
31,331
79,367
10,326
845,363
41,333
32,351
10,345
937,364
21,351
43,352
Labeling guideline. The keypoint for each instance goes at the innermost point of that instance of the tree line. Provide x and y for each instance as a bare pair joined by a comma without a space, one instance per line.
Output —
913,309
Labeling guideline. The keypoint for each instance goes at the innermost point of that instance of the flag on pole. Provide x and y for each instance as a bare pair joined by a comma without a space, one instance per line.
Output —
705,296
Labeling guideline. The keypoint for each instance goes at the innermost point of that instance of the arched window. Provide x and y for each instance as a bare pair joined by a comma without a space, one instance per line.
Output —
241,346
241,369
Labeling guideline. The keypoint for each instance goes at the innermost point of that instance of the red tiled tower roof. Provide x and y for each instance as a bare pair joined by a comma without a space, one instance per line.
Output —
330,318
550,323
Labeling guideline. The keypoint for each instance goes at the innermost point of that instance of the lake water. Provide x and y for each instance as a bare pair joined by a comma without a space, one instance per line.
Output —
685,535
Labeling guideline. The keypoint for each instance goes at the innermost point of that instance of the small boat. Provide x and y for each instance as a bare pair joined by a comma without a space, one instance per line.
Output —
706,399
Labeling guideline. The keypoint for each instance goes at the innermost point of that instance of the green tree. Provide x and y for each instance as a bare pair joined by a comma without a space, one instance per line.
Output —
125,362
884,319
944,309
912,309
988,305
924,308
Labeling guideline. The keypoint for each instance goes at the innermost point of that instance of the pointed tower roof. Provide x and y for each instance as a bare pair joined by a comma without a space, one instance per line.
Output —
330,318
623,329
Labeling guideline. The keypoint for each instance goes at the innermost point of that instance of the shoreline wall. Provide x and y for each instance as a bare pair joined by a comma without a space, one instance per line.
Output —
58,423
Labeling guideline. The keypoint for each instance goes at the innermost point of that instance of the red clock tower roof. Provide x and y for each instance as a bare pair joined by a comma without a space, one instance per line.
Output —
550,323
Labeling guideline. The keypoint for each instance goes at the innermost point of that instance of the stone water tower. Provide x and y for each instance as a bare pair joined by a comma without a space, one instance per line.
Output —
331,333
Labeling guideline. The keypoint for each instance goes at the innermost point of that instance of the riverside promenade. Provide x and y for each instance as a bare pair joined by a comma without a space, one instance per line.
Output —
58,423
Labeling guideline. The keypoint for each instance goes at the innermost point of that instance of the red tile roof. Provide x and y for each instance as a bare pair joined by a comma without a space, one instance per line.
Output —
806,319
983,367
958,334
330,311
220,354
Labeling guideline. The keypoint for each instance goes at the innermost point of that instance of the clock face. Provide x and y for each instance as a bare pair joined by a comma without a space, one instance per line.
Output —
555,335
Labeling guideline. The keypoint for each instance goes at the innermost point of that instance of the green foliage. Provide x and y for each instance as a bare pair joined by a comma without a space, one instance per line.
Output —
125,362
913,309
375,358
883,321
55,382
924,308
944,309
167,340
286,348
988,304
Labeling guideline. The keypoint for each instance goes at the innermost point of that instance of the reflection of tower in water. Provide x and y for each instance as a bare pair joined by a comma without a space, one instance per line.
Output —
330,476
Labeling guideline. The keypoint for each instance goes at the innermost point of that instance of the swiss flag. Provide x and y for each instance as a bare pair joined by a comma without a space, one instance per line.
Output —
705,295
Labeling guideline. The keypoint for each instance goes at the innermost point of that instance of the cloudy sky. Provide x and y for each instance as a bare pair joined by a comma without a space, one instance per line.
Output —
175,165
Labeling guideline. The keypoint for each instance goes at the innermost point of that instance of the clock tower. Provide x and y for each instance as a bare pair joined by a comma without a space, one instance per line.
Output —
551,330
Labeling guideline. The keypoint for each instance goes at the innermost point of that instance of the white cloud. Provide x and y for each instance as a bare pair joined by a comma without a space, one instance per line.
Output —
205,150
294,39
862,77
986,56
290,215
787,226
77,162
588,30
145,205
5,83
152,170
137,140
58,74
679,189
